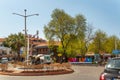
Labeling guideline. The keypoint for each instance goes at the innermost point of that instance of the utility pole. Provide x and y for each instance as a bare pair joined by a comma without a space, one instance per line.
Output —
25,17
115,44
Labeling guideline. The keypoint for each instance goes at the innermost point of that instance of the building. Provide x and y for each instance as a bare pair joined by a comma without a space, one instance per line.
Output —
3,49
36,46
41,46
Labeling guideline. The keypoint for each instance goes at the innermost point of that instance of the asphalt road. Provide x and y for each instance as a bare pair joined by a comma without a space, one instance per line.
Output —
81,73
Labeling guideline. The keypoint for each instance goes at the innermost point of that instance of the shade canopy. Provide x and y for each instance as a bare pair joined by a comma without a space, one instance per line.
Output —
116,51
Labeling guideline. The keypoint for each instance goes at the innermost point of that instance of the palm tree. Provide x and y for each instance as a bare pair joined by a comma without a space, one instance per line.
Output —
15,42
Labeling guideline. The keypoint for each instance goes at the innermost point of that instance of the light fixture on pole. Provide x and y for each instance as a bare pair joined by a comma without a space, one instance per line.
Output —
25,17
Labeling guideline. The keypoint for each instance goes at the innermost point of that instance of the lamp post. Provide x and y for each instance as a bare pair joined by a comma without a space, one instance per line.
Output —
25,17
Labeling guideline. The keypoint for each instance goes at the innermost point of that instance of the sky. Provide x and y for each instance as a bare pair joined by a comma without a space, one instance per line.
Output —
101,14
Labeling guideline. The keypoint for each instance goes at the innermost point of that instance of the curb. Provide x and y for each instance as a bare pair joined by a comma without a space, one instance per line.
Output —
38,73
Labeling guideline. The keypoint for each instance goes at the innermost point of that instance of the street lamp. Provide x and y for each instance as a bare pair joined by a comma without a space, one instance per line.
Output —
25,16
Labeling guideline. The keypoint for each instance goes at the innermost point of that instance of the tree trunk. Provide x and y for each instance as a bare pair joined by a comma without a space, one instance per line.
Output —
18,57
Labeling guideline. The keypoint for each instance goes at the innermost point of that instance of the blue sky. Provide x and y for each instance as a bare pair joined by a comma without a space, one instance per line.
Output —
102,14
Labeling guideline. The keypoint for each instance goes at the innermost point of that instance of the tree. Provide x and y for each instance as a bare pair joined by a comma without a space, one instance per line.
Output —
98,42
15,42
112,43
65,28
88,37
79,46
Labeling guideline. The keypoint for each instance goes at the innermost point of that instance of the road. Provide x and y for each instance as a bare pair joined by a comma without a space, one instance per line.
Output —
81,73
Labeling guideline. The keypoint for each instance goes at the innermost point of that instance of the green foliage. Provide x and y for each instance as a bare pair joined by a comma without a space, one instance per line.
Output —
76,37
15,42
80,26
111,44
65,28
98,42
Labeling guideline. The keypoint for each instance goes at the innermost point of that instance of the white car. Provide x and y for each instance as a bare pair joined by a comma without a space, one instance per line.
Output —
4,60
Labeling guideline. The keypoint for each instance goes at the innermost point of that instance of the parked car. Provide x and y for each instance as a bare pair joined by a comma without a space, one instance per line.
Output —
4,60
112,70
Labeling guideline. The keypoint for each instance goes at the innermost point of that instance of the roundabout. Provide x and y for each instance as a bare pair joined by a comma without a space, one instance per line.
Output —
21,69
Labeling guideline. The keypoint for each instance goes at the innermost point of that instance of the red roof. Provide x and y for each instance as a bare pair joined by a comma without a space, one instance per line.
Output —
2,39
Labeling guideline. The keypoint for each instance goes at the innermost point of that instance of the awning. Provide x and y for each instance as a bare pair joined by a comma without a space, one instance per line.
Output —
116,51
